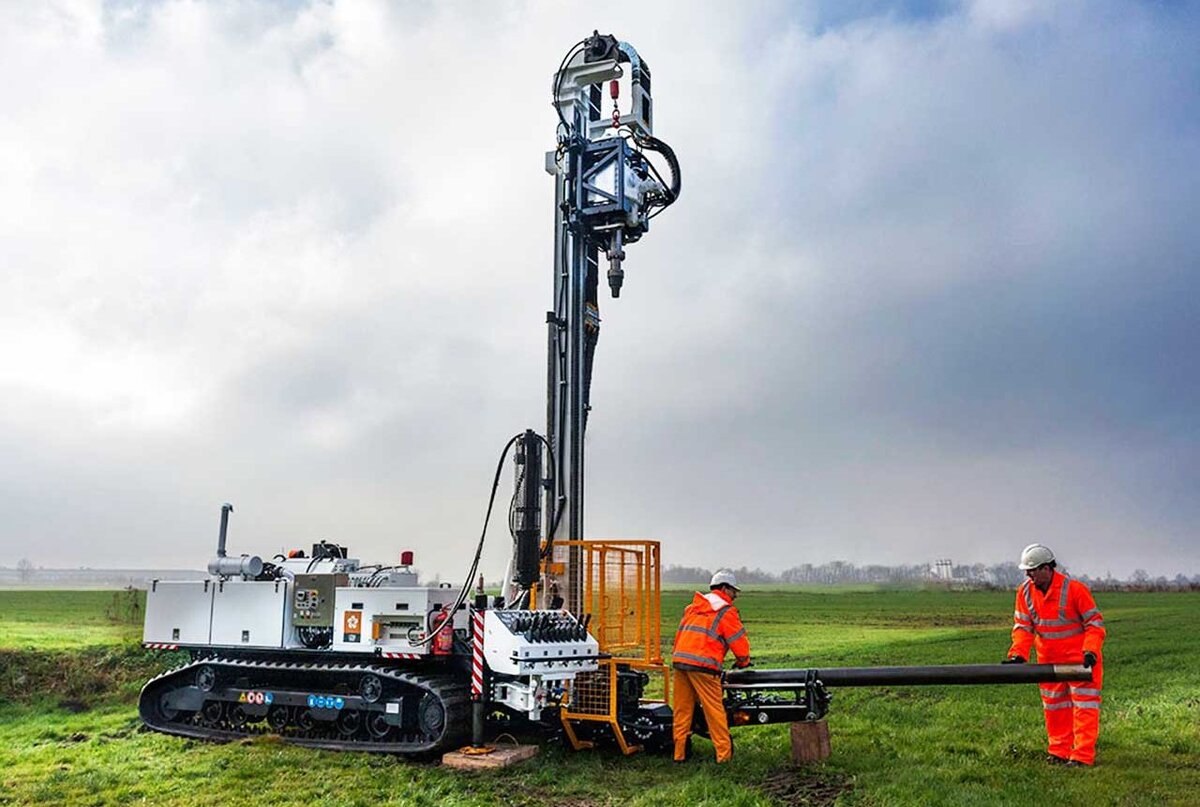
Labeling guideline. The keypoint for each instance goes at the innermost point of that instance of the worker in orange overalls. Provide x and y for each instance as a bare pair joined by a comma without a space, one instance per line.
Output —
1057,617
709,629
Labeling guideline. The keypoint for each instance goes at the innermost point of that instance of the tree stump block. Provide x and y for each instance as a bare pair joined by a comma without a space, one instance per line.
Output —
810,741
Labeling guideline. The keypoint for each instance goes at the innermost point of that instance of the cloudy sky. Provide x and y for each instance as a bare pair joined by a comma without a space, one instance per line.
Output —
932,288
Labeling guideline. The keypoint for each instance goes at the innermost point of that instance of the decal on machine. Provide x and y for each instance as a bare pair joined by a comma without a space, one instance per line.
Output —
325,702
256,698
352,626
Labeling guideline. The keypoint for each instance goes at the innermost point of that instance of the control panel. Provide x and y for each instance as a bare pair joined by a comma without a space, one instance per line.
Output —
549,644
313,597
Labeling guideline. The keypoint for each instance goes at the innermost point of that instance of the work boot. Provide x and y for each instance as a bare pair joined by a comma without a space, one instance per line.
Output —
1054,759
1074,763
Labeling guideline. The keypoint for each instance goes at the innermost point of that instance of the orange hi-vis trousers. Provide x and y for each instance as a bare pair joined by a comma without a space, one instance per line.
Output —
1073,716
690,687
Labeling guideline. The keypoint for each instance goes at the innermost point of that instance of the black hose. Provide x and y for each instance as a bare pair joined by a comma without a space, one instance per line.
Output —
558,82
462,594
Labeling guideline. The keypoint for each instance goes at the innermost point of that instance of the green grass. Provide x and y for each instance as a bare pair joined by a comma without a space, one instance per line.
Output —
936,745
60,620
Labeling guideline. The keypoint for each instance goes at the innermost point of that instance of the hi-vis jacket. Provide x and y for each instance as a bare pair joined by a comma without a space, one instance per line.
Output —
1061,624
710,627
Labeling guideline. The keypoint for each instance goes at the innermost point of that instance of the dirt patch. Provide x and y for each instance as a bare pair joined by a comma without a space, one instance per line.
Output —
796,786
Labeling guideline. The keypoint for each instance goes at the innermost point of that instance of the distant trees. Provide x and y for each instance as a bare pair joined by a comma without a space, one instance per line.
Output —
25,569
997,576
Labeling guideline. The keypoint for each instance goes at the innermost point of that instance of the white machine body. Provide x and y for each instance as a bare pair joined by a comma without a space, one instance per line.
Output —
545,651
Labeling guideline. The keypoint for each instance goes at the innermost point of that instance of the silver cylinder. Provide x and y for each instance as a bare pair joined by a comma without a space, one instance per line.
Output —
245,565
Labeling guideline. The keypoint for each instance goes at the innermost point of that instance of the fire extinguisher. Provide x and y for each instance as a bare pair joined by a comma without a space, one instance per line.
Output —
443,632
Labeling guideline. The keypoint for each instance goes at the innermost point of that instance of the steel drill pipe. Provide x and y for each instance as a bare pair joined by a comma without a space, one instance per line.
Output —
908,676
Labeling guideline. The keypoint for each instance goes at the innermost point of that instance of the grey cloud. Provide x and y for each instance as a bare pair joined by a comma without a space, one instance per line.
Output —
929,291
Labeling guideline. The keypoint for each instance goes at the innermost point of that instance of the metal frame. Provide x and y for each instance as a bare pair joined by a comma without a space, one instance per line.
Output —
574,323
643,603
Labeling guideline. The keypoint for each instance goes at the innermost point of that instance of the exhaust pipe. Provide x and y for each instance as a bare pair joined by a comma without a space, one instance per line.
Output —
224,566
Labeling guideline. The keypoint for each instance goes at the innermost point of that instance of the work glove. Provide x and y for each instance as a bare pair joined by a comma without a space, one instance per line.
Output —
1014,660
741,665
1089,659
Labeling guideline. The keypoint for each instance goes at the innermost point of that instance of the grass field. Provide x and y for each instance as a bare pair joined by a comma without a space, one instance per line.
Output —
70,669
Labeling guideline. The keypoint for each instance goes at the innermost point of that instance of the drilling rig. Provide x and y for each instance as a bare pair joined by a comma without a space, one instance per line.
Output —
329,652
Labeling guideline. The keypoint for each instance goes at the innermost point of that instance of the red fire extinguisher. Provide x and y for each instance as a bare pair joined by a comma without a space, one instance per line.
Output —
443,632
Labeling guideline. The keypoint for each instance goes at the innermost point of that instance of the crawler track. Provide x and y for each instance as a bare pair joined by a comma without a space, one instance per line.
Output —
340,707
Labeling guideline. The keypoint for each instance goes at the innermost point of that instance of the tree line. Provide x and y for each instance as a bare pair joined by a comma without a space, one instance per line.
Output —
977,575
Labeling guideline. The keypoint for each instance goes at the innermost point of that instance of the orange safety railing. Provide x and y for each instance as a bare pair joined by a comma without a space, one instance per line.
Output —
622,590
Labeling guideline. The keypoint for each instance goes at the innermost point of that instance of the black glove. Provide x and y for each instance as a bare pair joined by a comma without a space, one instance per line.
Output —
1014,660
1089,659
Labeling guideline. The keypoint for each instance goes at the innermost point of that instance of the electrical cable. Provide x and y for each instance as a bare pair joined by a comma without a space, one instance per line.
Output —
558,83
671,193
462,594
558,503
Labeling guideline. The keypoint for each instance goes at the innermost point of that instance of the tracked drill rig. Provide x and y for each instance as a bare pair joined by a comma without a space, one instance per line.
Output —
330,652
327,651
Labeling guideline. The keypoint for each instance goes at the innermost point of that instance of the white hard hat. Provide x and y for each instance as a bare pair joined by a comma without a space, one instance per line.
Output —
1035,555
724,577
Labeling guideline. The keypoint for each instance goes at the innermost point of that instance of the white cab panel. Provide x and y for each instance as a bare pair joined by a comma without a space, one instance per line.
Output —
249,614
179,612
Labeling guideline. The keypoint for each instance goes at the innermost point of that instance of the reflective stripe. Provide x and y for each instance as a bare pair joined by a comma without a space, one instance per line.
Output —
1054,707
1062,599
720,615
1062,633
1089,614
734,637
712,634
1017,615
1085,691
1084,704
1023,627
1095,623
704,661
1058,692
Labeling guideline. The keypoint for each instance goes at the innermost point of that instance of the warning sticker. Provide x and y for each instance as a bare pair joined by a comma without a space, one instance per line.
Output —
352,626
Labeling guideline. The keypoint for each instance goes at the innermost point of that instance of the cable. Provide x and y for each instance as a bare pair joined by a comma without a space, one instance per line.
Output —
462,594
671,193
558,83
512,506
558,503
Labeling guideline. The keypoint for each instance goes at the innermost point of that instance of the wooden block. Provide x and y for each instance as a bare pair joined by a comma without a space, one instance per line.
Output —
502,757
810,741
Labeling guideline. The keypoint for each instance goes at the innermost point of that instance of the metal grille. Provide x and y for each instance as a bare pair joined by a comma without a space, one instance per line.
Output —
591,692
615,594
621,591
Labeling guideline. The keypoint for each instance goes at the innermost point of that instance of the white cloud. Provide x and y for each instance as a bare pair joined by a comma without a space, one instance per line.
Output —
297,256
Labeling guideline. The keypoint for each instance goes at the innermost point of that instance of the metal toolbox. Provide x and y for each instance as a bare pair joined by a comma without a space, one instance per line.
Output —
179,612
249,614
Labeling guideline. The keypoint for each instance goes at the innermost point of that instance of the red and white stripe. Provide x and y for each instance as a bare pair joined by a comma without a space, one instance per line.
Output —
476,655
159,646
401,655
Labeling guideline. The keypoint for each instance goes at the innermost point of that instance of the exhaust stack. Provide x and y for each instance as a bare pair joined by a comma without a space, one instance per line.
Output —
225,566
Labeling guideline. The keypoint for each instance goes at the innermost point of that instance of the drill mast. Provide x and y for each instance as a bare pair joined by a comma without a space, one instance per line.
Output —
606,192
